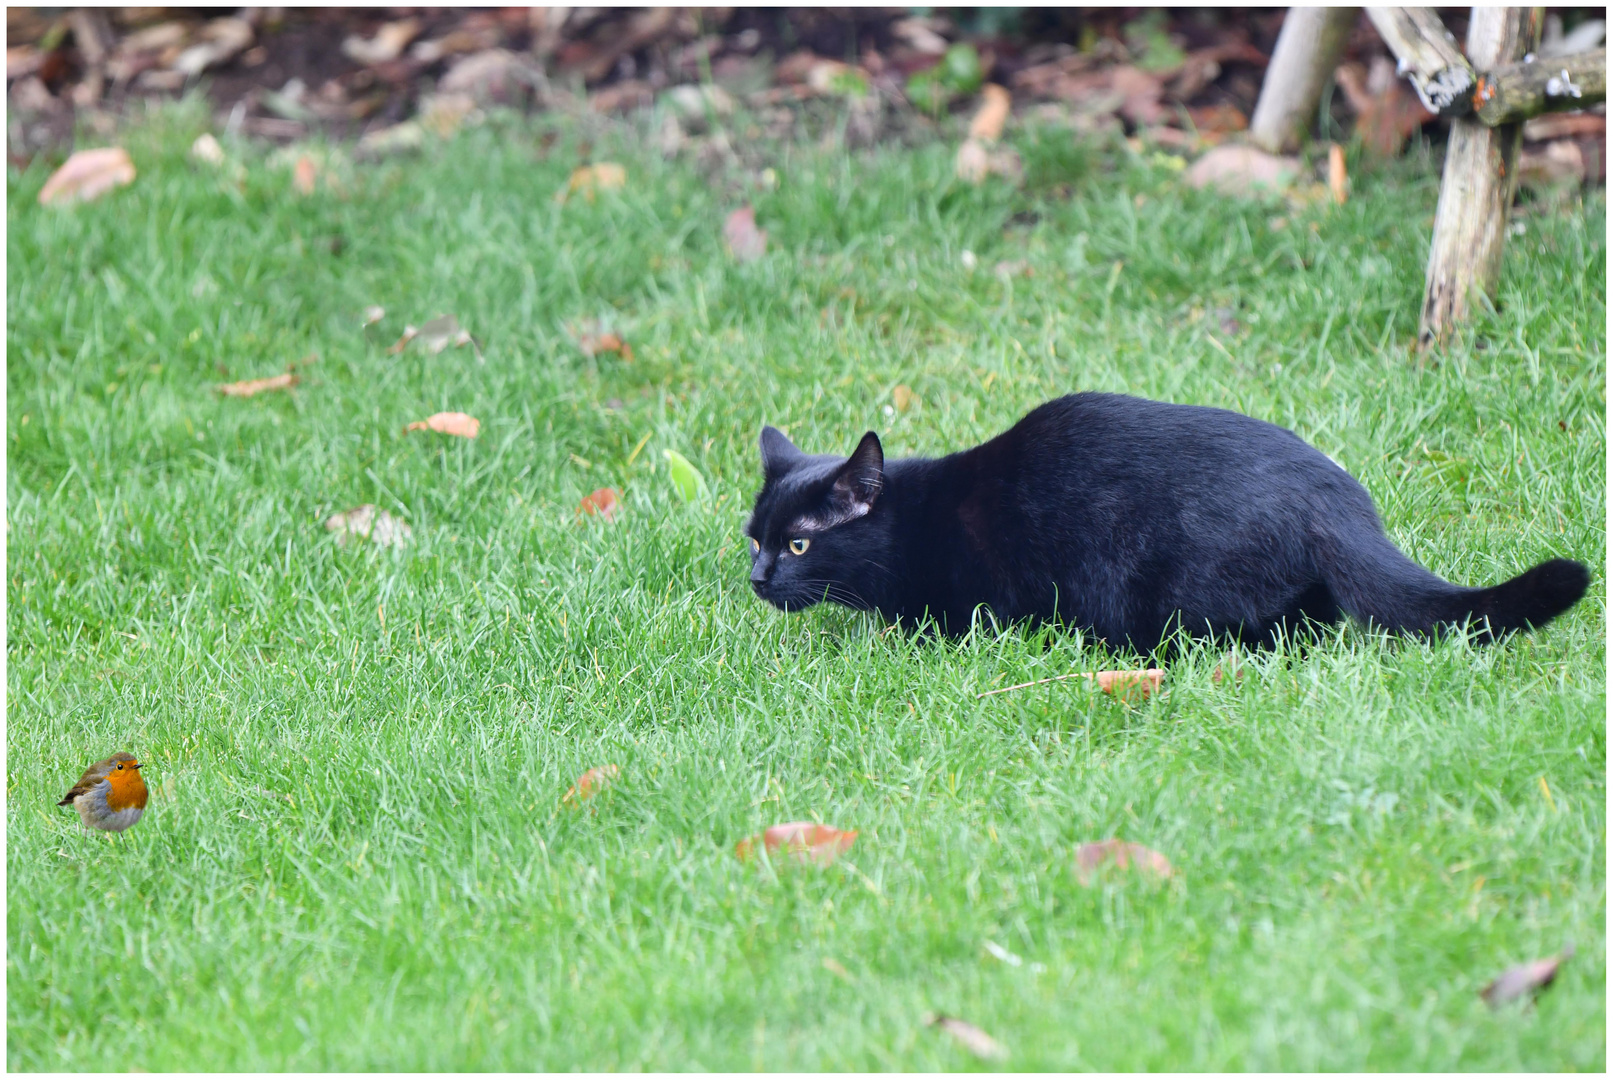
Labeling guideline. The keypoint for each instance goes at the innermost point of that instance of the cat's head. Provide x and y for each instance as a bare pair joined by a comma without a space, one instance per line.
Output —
814,533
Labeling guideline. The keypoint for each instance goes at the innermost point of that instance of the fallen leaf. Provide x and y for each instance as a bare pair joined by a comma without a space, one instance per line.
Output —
304,175
593,339
86,175
439,333
804,841
408,335
1231,661
902,398
604,502
1091,857
374,314
973,163
1140,94
591,783
745,241
602,176
387,44
988,122
1214,121
1338,179
1387,112
207,150
685,477
258,386
1241,170
971,1038
380,527
1522,979
449,423
1130,684
221,39
444,114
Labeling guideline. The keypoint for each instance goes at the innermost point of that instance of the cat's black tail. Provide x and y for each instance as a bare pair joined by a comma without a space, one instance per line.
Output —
1375,582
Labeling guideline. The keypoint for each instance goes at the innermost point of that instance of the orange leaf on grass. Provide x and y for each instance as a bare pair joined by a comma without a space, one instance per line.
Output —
806,841
591,783
1130,684
258,386
86,175
449,423
604,502
594,341
1092,857
304,175
745,241
1338,177
994,105
585,181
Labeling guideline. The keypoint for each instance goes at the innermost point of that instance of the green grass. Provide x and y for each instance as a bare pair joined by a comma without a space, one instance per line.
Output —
356,856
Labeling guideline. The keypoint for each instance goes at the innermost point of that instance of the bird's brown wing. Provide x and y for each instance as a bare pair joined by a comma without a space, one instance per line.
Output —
92,776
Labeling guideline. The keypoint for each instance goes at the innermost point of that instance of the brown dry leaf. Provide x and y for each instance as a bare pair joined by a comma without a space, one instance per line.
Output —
86,175
304,175
1213,122
745,241
409,333
1231,662
585,181
1242,170
444,114
1522,979
439,333
1387,113
973,163
449,423
591,783
987,124
1128,685
387,44
593,339
806,841
374,314
1140,92
258,386
380,527
902,398
1338,179
1092,857
605,502
220,40
971,1038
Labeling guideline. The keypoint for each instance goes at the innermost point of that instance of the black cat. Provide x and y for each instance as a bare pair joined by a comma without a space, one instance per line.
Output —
1124,517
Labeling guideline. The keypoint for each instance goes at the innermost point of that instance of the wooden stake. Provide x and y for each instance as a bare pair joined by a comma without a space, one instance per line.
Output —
1516,92
1480,179
1428,56
1308,49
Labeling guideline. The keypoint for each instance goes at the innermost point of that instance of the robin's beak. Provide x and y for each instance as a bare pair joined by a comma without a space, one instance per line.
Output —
137,765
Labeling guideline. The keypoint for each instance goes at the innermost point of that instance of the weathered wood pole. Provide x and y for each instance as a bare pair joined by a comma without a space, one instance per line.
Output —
1506,95
1308,49
1480,179
1428,56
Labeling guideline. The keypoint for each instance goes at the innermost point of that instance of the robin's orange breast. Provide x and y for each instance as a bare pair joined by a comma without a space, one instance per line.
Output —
128,790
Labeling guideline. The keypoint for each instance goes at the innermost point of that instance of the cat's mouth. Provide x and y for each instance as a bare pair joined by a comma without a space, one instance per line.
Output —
794,600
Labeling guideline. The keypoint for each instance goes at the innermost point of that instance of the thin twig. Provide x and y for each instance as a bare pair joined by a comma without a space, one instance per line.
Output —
1038,682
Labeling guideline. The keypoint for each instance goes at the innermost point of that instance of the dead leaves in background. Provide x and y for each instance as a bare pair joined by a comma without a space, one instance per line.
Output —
590,179
591,783
377,526
593,337
252,387
1125,685
1092,858
745,241
803,841
87,175
449,423
1387,110
975,160
1242,170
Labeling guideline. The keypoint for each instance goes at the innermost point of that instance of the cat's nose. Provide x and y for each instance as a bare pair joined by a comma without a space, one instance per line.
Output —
758,575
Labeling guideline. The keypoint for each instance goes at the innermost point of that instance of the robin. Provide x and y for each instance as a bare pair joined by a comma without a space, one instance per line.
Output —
110,795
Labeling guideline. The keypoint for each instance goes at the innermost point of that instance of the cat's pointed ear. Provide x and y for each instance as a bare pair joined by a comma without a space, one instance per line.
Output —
778,452
862,477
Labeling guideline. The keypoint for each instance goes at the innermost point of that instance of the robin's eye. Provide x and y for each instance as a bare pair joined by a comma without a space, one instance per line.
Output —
755,546
799,545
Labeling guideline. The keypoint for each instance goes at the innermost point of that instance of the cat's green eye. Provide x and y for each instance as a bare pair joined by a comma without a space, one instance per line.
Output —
799,545
755,545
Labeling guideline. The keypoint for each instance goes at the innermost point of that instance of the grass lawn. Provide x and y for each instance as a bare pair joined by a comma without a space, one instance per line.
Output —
356,856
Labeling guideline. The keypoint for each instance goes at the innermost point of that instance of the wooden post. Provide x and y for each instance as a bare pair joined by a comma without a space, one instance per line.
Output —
1308,49
1428,55
1476,191
1508,94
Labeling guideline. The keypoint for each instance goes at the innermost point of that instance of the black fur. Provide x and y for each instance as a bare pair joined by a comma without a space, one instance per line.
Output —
1120,516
